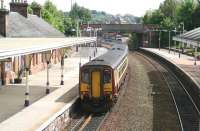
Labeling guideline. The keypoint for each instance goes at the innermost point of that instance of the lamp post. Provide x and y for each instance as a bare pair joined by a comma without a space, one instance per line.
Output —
27,60
159,38
195,62
183,26
77,28
175,42
48,59
169,41
150,38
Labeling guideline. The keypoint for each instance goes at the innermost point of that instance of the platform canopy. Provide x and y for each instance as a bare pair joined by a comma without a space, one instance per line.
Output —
191,37
10,47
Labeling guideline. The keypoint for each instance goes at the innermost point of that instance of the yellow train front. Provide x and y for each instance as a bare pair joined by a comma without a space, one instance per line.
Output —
101,78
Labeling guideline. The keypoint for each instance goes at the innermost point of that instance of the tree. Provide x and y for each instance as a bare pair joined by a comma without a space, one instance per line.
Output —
80,13
196,16
153,17
133,42
53,16
185,13
168,8
69,26
35,5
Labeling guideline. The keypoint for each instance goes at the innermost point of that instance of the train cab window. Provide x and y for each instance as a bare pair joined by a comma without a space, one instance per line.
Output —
85,76
107,76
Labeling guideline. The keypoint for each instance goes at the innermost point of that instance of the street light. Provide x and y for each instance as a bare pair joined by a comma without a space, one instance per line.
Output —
183,26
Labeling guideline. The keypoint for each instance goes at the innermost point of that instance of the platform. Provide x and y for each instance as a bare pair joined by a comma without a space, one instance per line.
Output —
14,116
185,62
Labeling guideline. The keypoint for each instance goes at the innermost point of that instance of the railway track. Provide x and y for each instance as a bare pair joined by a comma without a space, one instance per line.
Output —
187,111
90,122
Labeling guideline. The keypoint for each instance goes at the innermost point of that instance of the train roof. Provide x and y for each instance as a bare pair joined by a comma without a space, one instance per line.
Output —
112,57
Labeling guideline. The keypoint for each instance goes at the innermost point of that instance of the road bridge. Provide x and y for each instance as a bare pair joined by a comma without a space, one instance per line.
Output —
127,28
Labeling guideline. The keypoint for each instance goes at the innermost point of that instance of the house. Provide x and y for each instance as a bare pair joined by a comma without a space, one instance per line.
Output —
17,23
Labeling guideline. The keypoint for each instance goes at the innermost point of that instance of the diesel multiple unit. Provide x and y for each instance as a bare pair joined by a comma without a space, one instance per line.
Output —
101,78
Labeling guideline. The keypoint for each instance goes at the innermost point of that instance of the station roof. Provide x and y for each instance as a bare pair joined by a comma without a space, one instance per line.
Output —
32,26
10,47
191,37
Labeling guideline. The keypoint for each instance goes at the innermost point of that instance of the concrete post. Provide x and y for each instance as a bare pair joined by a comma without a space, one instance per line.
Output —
62,71
27,89
77,28
179,51
94,53
96,47
80,64
175,43
27,60
159,39
47,87
169,42
175,48
150,38
90,58
195,62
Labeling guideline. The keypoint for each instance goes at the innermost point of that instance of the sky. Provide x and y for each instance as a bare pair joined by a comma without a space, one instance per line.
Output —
134,7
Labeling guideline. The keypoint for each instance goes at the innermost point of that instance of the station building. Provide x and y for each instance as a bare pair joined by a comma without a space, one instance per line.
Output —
17,23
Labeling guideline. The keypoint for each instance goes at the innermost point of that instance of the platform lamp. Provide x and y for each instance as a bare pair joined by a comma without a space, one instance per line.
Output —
48,55
27,62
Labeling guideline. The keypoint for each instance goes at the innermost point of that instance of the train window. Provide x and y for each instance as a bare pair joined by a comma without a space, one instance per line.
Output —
85,76
107,76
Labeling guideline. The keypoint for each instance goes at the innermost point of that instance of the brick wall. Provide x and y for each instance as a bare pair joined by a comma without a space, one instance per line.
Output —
3,22
21,8
37,64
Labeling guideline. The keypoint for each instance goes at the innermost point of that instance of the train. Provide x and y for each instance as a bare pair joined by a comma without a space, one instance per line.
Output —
100,79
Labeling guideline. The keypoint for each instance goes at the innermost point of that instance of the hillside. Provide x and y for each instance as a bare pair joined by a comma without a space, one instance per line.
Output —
103,17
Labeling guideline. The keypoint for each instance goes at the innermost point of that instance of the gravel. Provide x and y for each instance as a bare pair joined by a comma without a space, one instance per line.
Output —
146,104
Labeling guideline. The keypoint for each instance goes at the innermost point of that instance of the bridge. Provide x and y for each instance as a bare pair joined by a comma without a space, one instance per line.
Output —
124,28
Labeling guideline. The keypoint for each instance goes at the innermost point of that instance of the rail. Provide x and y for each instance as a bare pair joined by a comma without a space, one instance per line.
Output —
187,110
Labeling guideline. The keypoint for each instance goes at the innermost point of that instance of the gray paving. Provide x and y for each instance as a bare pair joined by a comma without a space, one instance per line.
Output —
12,97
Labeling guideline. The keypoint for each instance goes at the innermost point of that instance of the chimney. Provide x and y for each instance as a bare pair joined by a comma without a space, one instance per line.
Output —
19,6
37,11
3,19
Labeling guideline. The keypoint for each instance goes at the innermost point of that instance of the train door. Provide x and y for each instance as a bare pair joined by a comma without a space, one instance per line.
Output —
96,84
